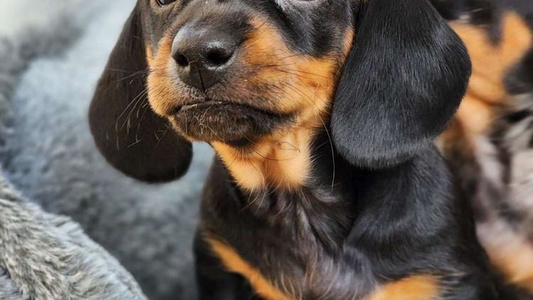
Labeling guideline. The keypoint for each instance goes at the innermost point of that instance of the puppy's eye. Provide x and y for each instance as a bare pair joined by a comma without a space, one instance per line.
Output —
164,2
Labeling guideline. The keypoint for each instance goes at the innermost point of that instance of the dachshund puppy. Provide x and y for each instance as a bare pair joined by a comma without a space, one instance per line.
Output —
489,143
326,183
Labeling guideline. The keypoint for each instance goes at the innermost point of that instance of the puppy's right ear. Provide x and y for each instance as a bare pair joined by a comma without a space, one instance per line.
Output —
127,132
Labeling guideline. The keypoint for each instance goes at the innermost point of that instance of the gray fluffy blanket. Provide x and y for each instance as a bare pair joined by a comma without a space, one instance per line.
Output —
47,257
51,54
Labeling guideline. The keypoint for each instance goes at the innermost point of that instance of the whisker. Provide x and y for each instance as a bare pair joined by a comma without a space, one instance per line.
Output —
133,75
134,103
137,101
139,125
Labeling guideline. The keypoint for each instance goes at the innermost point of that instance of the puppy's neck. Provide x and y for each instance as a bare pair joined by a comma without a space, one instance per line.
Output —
280,161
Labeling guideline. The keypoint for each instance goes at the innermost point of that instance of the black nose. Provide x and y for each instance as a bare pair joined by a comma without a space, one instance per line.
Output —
203,56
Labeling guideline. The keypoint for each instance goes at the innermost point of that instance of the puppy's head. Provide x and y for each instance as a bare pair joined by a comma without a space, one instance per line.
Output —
387,73
236,71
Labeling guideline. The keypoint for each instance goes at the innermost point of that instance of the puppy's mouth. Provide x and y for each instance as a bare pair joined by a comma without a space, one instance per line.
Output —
222,121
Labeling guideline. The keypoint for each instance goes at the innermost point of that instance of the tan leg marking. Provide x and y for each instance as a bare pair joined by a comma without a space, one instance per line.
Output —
236,264
411,288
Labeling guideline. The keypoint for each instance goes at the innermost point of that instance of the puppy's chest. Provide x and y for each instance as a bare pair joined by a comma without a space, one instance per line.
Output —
287,246
296,251
290,268
277,274
274,275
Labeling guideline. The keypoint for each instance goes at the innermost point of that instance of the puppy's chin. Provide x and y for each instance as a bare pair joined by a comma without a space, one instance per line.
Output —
230,123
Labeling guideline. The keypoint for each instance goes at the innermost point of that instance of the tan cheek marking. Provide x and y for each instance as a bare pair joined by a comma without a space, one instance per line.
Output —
149,55
348,42
162,91
509,252
306,81
236,264
412,288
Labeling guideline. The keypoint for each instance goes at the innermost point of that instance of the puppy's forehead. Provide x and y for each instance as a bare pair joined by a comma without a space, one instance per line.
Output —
308,26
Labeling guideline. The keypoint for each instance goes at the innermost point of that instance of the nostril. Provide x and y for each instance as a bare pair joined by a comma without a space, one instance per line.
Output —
182,60
219,56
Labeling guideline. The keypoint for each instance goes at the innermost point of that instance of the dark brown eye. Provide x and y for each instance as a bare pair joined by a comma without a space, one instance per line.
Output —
164,2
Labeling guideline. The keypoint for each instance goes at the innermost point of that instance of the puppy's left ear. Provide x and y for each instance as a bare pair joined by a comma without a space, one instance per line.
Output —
402,82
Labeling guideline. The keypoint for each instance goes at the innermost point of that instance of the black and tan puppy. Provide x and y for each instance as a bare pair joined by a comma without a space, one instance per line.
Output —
322,113
490,141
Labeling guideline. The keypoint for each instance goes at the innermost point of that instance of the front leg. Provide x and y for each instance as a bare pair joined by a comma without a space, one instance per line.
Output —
214,282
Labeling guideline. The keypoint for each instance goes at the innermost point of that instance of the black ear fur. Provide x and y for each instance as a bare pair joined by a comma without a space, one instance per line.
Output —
132,138
403,80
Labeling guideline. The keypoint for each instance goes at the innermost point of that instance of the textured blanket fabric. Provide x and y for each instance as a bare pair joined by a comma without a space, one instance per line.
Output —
51,54
43,256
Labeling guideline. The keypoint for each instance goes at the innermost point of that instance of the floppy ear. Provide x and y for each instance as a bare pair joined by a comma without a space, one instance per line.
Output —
403,80
132,138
